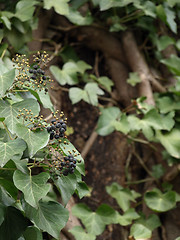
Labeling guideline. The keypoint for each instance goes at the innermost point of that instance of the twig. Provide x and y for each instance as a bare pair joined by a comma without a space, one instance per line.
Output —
89,143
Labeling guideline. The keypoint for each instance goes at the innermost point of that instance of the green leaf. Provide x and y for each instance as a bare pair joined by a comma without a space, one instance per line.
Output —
173,64
32,233
6,21
106,120
127,217
50,217
92,91
122,195
60,6
33,187
35,140
164,41
148,7
106,4
82,189
5,198
67,148
25,10
80,234
158,171
75,17
143,228
167,104
76,94
170,141
105,82
6,81
160,202
91,220
107,213
10,111
178,238
170,18
14,224
9,149
172,3
122,125
68,74
66,186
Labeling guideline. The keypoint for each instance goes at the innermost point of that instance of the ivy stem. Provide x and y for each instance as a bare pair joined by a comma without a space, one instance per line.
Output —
8,132
9,169
20,91
139,181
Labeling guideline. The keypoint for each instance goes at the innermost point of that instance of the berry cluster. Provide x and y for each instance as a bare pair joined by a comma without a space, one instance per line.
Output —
65,165
33,122
57,127
31,76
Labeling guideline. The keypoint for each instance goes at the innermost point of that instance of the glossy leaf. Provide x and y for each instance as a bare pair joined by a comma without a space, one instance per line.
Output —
142,229
10,111
160,202
35,140
50,217
164,41
122,195
13,225
133,79
25,10
82,189
80,234
9,149
60,6
106,83
32,233
66,186
6,80
91,220
106,120
33,187
127,217
173,64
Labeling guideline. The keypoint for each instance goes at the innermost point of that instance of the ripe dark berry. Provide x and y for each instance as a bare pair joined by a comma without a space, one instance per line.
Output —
61,135
38,70
65,173
61,121
42,72
33,77
30,70
63,164
53,128
51,135
53,121
48,129
62,130
35,66
66,158
44,77
64,126
56,136
34,71
58,125
71,170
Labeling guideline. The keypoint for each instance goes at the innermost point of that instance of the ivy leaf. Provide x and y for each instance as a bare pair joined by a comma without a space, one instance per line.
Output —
92,91
167,104
6,80
160,202
33,187
106,4
25,10
127,217
170,141
143,228
66,186
91,220
35,140
13,225
32,233
76,94
133,79
9,149
106,120
105,82
122,125
10,111
60,6
68,147
68,74
122,195
50,217
80,234
173,64
170,18
164,41
75,17
158,171
82,189
5,198
107,214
